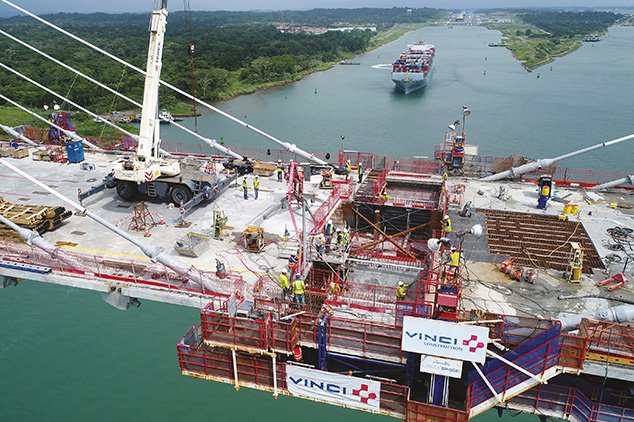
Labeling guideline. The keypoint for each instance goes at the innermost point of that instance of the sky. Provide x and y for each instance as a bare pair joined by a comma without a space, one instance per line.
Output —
120,6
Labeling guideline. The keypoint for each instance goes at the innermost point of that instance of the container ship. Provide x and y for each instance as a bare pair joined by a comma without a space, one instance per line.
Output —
412,69
390,286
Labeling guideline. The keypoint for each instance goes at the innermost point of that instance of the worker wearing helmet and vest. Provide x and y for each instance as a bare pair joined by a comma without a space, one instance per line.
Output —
401,291
298,290
329,231
454,261
446,224
256,186
360,172
284,284
245,188
348,169
279,169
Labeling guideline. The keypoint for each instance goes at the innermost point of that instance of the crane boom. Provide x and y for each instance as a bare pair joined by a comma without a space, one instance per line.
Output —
149,135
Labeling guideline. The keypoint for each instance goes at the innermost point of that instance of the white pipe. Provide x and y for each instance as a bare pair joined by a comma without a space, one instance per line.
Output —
545,162
11,131
622,314
68,133
69,102
486,381
155,253
289,147
519,368
274,376
629,180
235,370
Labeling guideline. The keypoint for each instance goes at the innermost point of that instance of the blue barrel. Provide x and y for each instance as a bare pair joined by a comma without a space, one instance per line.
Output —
75,152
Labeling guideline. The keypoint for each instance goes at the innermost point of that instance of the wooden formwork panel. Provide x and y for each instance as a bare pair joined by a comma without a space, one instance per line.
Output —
538,240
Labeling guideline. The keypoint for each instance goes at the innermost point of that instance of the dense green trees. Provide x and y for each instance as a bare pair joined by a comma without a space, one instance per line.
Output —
569,24
233,50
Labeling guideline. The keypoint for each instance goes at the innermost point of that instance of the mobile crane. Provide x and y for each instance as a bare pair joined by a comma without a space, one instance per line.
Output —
146,172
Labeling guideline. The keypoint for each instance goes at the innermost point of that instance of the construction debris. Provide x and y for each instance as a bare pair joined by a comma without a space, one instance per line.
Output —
34,217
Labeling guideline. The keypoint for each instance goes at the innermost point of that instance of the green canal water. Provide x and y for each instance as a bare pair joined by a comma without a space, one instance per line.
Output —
67,356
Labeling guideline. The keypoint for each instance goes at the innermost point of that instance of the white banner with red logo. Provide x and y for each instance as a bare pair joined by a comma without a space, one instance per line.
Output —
445,339
333,388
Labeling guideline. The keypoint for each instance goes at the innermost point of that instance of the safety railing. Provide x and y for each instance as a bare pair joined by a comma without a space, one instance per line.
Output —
414,165
356,157
535,356
608,342
254,371
423,412
365,339
100,268
220,329
566,402
284,336
394,398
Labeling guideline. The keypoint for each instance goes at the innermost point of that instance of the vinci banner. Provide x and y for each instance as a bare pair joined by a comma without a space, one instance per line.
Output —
445,339
333,388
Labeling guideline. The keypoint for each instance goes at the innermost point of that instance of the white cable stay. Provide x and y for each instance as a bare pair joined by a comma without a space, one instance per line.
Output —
211,142
289,147
155,253
68,133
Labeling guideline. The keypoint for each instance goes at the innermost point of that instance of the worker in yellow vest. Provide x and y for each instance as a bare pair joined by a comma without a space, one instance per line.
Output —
245,188
360,172
454,261
401,291
279,169
446,224
284,284
298,290
256,186
348,169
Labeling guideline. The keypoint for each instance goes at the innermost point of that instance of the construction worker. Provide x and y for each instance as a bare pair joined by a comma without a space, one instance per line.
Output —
348,169
284,284
360,172
279,169
256,186
454,261
329,231
401,291
319,244
339,239
298,290
446,224
245,188
292,263
334,288
346,239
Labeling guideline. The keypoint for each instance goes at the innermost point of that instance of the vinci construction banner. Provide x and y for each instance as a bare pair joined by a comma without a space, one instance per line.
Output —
333,388
445,339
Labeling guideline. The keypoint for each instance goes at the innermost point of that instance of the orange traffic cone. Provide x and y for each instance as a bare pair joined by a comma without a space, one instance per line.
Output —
161,220
147,232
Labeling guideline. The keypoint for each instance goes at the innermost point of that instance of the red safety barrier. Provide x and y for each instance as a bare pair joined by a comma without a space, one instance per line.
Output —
244,333
423,412
608,342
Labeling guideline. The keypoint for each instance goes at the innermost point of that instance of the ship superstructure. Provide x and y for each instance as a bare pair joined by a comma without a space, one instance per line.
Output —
412,70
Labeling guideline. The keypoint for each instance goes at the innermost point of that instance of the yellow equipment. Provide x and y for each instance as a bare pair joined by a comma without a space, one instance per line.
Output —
326,179
253,239
575,264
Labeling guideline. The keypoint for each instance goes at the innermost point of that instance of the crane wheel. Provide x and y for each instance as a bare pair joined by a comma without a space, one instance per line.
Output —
180,194
127,190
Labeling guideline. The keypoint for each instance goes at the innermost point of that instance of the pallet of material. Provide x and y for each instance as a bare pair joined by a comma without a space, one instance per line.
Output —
20,153
6,152
42,155
34,217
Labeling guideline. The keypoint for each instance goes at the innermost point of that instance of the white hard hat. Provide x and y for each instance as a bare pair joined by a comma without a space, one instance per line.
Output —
279,161
330,221
284,271
446,217
360,164
345,230
453,249
257,177
348,161
400,283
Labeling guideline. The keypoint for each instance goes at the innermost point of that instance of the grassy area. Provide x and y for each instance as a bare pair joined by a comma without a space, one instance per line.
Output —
532,46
